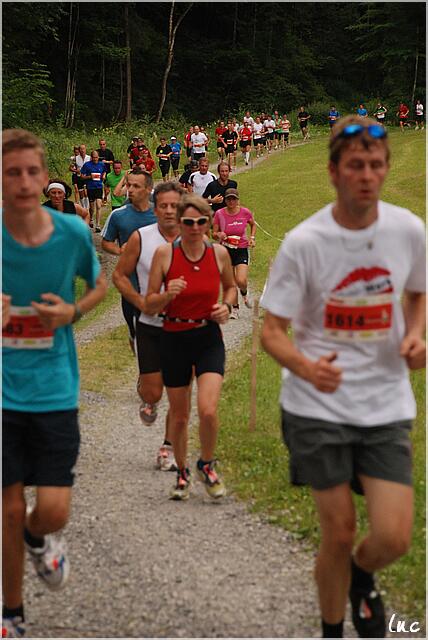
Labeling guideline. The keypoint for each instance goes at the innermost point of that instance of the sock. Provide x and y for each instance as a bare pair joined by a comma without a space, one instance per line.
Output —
32,541
86,203
332,630
201,463
247,156
166,443
13,613
360,578
236,306
243,292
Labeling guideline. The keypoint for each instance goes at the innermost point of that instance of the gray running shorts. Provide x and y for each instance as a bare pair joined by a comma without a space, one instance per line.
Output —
325,454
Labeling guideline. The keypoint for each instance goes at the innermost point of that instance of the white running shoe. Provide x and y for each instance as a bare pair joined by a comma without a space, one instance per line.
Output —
148,413
51,562
165,459
13,627
234,314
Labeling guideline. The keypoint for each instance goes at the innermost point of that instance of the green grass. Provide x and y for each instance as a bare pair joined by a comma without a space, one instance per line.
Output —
284,190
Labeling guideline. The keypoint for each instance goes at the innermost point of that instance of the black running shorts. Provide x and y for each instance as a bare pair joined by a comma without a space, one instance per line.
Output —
148,347
40,449
175,162
182,350
238,256
95,194
164,166
325,454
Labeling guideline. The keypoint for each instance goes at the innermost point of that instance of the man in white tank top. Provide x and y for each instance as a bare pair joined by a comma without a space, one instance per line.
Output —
137,257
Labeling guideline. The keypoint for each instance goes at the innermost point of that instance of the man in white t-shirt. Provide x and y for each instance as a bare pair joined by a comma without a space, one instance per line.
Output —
269,125
419,115
351,280
198,141
199,180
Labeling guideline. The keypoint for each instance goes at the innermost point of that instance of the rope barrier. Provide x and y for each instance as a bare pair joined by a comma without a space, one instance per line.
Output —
269,234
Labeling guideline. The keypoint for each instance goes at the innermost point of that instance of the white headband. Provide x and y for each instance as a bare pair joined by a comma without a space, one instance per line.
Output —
56,185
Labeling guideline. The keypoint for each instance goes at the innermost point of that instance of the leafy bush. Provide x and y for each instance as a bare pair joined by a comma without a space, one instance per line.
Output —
26,96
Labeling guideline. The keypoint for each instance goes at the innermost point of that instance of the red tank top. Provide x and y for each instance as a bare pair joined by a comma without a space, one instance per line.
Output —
201,293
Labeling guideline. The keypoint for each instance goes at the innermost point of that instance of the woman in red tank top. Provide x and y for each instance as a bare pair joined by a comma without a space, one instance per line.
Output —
192,271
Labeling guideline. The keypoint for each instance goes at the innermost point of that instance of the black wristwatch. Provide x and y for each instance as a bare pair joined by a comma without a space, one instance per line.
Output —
229,306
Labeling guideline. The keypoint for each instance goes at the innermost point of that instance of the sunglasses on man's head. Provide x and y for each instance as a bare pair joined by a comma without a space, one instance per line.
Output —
374,130
190,222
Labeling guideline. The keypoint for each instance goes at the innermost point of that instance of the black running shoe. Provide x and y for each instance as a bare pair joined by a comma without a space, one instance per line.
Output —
368,613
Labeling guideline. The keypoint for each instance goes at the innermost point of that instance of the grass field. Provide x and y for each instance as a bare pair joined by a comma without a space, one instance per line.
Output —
282,192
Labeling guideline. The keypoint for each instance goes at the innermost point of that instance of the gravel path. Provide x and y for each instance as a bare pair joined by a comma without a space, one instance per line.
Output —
144,566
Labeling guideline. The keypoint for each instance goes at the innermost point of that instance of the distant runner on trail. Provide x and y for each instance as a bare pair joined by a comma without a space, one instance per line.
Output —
164,153
419,115
192,270
403,114
362,111
333,116
176,154
111,182
220,130
380,113
216,189
137,258
43,252
303,118
229,228
199,180
350,280
93,172
58,193
198,141
122,223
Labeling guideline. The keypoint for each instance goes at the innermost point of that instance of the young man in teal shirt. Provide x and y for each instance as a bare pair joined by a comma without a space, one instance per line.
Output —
43,252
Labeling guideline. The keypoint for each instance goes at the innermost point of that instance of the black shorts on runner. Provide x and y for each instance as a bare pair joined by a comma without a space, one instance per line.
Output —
175,162
419,119
270,135
257,141
198,156
95,194
303,125
164,167
220,145
182,350
263,141
238,256
230,148
81,184
148,347
130,313
324,454
286,134
244,143
40,449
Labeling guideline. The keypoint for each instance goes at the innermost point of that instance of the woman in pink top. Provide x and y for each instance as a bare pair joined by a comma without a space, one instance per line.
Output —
229,228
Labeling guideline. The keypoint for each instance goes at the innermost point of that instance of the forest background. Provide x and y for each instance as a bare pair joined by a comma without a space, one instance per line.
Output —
80,65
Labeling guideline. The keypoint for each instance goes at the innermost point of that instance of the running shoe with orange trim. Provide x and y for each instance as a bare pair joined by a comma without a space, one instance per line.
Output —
368,612
213,483
13,627
181,489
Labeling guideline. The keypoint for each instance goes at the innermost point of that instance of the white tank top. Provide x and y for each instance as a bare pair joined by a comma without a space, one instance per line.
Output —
150,239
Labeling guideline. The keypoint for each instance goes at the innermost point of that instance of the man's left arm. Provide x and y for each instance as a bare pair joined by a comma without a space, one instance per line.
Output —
413,346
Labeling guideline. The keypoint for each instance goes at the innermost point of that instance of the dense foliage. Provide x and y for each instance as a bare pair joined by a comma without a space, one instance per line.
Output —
66,63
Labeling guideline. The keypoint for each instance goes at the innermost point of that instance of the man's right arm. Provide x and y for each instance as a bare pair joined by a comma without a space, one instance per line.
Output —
320,373
110,236
125,267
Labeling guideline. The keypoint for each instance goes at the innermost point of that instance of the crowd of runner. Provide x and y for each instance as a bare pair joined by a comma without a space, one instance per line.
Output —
183,259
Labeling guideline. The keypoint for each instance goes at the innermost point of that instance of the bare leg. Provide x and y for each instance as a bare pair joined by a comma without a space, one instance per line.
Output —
13,544
333,566
209,388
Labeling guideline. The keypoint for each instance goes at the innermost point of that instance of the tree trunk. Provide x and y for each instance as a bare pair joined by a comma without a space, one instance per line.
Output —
103,83
128,66
120,107
72,55
235,26
172,31
254,25
416,65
